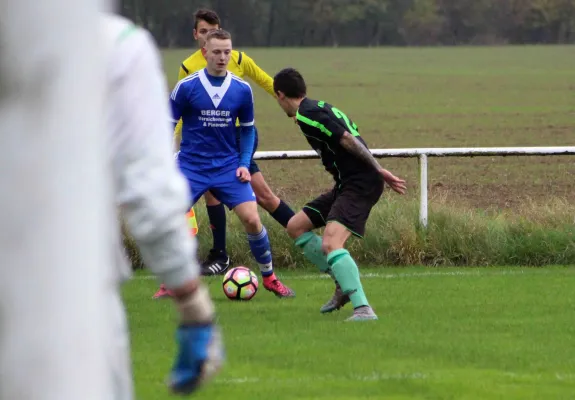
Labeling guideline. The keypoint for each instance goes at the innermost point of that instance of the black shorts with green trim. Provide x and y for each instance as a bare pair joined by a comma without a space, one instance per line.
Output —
349,205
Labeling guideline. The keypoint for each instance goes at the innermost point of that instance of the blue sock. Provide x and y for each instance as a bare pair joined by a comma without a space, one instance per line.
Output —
261,249
282,214
217,217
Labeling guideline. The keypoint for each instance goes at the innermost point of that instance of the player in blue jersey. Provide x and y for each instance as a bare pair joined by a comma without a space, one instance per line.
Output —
209,102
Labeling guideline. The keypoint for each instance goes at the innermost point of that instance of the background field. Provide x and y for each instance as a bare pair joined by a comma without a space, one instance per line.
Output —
433,97
483,210
444,333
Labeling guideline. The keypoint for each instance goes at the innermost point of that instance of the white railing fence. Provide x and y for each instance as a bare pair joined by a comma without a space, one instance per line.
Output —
423,154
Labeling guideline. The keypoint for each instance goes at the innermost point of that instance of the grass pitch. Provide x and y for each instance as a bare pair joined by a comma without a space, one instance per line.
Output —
482,333
457,333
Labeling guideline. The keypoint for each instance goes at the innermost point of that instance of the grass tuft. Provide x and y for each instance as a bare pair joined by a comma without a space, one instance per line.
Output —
536,235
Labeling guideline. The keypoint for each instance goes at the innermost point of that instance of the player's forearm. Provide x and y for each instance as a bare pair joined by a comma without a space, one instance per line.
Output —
154,201
258,75
355,147
247,140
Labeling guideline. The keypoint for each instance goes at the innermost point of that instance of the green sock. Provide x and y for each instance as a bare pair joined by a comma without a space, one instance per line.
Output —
346,273
310,243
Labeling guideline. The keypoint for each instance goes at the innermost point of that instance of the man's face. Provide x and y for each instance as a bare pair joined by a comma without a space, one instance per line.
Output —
285,105
202,31
217,53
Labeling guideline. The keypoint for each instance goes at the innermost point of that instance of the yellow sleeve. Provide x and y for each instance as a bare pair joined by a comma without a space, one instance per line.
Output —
177,136
182,73
255,73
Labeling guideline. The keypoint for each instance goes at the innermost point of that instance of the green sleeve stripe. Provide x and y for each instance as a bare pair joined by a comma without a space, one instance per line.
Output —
352,127
127,32
313,123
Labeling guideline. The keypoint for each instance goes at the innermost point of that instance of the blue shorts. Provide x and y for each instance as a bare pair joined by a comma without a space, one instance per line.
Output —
253,168
225,186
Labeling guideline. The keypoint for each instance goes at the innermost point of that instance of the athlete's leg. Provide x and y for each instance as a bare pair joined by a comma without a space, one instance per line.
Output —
344,269
247,212
217,217
276,207
348,215
264,195
240,197
260,247
299,228
218,260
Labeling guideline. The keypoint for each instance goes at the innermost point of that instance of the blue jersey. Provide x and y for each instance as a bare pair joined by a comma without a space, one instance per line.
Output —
209,107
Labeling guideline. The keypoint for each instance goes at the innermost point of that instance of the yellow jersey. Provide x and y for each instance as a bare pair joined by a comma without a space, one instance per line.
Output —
240,64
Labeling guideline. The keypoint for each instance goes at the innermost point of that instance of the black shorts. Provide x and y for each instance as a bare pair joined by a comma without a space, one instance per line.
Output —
349,205
253,168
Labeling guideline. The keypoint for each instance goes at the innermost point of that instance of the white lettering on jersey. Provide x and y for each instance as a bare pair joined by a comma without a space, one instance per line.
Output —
216,113
216,118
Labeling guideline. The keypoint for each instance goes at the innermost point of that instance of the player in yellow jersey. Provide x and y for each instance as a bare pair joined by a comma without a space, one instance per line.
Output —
243,66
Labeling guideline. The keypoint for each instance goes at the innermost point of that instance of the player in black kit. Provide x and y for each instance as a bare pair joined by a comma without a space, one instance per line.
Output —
359,181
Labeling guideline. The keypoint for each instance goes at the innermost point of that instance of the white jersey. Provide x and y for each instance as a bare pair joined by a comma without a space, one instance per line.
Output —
152,194
63,173
56,208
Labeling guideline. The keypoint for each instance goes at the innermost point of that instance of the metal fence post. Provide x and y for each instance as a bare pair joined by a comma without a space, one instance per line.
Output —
423,190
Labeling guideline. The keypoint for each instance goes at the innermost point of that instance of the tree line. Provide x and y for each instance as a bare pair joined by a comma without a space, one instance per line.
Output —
363,22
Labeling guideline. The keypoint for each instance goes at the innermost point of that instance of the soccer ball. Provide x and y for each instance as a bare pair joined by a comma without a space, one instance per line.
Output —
240,284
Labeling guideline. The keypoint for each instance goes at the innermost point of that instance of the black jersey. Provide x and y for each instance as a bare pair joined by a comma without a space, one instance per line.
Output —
323,126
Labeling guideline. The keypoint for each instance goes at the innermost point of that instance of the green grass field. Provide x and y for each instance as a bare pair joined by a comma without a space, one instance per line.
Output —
443,333
489,333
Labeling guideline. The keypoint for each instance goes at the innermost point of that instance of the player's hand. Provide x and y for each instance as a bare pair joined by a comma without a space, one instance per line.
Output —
200,357
397,184
243,174
200,349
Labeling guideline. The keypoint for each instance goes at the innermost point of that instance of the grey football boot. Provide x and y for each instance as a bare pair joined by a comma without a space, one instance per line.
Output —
364,313
337,301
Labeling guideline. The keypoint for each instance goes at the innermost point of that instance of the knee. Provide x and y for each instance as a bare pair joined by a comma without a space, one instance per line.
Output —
294,230
329,245
252,222
267,199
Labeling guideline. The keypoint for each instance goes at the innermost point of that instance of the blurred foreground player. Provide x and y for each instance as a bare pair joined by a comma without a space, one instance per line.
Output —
359,181
57,281
153,196
64,334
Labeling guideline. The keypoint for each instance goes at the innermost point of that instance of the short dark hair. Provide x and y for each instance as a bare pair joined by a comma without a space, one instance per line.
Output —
218,34
290,82
204,14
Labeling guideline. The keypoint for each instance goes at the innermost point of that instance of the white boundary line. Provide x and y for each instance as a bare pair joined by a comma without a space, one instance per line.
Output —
427,274
380,377
374,377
